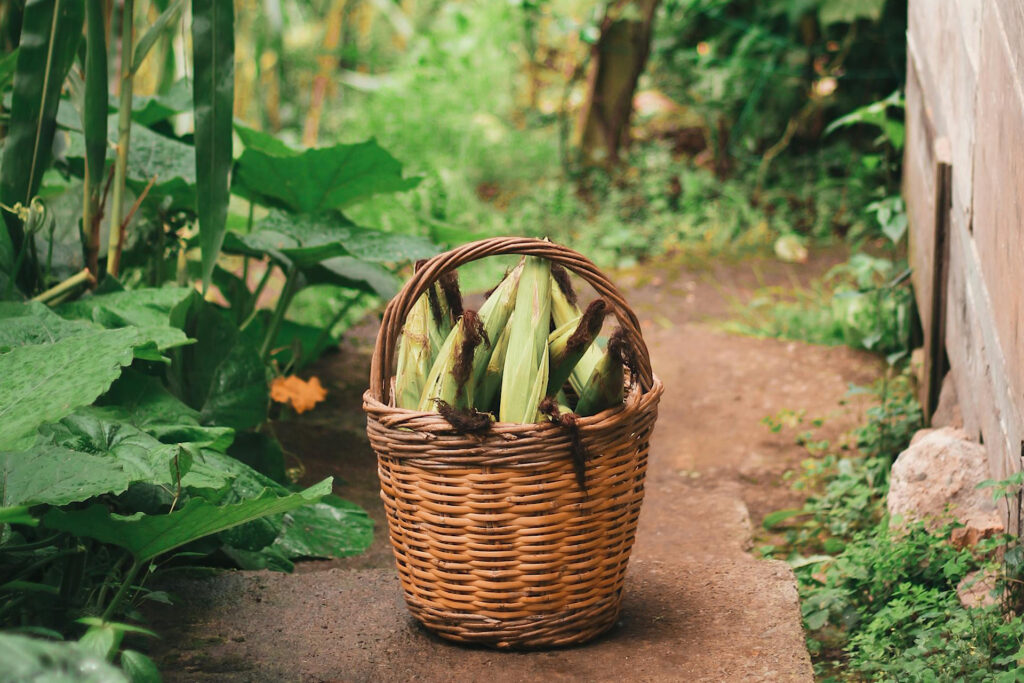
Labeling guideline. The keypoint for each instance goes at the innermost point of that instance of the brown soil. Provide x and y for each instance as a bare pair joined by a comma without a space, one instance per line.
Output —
697,605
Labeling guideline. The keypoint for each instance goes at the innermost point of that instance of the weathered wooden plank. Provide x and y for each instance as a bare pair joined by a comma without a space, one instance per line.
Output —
990,412
968,18
919,187
1009,15
998,212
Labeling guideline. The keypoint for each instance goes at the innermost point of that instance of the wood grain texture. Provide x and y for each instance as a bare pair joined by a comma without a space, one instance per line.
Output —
919,187
999,183
965,82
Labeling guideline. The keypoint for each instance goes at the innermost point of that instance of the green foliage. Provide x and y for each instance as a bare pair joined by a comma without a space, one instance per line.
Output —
317,180
865,303
146,536
34,659
881,603
51,31
44,382
213,91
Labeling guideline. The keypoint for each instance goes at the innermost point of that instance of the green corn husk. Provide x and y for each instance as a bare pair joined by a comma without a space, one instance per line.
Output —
604,389
537,392
448,381
487,388
569,342
495,314
414,356
526,357
563,311
445,302
563,402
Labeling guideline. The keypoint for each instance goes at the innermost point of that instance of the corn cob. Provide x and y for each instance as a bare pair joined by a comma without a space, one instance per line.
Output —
563,311
487,388
569,342
445,301
604,388
495,314
526,358
453,367
414,356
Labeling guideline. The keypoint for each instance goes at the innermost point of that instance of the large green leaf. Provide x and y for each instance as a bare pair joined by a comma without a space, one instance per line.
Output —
317,180
32,659
50,33
307,239
143,401
150,154
45,382
146,536
150,109
221,375
25,324
351,272
54,475
213,88
142,457
332,528
159,310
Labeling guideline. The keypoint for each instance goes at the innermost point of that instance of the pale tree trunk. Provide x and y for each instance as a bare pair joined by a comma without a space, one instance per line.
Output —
616,62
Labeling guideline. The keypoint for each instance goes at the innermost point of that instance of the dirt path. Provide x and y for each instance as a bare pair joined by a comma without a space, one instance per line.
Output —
697,606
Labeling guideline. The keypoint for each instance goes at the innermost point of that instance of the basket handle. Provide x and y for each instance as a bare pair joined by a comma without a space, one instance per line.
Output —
426,275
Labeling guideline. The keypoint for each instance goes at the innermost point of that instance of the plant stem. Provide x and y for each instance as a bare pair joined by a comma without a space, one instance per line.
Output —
129,577
326,331
82,277
105,587
251,313
124,127
283,301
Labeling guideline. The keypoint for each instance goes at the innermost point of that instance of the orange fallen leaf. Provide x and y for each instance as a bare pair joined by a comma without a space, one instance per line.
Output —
302,394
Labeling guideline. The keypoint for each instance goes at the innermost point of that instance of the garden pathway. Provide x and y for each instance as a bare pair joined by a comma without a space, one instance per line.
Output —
698,605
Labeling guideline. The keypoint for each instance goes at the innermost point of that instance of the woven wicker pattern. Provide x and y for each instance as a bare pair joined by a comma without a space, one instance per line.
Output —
494,539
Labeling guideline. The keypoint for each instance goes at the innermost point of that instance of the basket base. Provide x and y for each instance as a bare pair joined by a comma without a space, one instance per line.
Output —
558,629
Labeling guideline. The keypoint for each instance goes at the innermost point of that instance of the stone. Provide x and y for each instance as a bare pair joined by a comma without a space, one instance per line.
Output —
936,481
977,589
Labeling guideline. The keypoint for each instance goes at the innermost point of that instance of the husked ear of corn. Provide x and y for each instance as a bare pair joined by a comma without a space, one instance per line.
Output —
414,356
568,343
526,358
445,301
487,388
604,389
494,316
563,311
448,381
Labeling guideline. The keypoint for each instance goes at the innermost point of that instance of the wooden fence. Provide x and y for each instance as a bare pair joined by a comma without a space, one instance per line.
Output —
964,188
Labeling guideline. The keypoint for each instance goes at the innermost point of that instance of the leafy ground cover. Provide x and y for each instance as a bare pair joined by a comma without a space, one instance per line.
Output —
140,333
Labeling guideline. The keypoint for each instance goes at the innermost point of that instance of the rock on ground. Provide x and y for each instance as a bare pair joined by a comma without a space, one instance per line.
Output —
936,481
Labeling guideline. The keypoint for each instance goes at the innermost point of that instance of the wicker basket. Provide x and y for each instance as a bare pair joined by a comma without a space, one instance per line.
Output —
496,543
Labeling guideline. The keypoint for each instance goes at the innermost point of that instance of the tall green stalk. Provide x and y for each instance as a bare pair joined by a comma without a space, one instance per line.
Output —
124,127
94,127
